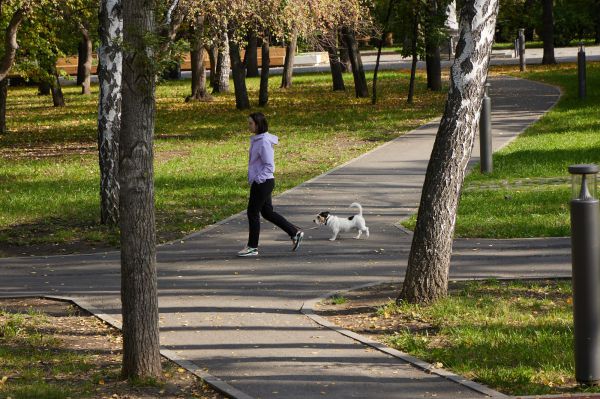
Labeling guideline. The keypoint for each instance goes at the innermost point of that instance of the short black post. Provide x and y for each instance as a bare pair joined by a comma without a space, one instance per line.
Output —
585,255
522,59
581,71
485,132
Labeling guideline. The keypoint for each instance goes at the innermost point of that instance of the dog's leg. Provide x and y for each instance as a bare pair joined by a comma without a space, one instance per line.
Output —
367,232
359,234
334,236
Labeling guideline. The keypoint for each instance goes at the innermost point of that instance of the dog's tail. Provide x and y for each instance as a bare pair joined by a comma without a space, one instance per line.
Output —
357,205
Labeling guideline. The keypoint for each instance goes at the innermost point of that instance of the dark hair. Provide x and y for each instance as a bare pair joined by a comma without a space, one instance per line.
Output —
261,122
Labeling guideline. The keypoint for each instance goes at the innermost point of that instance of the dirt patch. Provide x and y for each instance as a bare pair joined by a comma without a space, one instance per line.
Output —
49,151
71,329
359,312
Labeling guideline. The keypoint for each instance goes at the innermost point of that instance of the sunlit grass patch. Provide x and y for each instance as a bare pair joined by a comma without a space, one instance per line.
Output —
513,336
48,162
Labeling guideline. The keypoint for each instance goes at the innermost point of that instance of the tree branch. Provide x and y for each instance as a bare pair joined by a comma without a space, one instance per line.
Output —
10,43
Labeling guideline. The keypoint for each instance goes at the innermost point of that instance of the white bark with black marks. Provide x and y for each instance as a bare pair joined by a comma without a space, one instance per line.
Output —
110,59
221,82
426,277
85,72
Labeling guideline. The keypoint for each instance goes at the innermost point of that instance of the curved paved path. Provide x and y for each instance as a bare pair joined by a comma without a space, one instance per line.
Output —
239,319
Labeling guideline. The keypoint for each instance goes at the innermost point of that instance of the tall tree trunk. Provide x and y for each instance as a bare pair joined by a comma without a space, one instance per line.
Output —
360,80
10,43
413,67
110,67
426,277
288,65
223,66
251,56
263,95
7,60
239,76
58,99
141,347
86,65
334,63
344,53
43,88
548,32
432,51
199,92
3,96
213,54
81,48
380,45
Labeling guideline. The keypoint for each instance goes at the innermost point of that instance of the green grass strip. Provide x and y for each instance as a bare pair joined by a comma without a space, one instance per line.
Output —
515,337
48,162
528,193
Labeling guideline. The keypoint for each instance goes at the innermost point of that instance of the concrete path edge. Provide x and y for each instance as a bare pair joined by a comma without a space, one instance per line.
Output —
214,382
308,310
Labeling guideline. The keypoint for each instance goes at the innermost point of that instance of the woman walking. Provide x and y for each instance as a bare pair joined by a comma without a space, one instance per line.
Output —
261,166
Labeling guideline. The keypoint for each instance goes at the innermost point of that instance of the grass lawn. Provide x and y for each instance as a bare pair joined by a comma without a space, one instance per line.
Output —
528,193
540,44
515,337
48,162
53,350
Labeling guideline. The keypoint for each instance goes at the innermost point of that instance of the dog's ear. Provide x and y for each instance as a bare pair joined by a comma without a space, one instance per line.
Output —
324,214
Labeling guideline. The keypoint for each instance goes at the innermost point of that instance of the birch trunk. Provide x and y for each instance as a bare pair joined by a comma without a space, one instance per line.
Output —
86,62
141,356
110,59
223,66
426,277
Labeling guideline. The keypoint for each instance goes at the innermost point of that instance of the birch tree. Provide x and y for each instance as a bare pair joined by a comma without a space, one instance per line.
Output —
426,277
110,72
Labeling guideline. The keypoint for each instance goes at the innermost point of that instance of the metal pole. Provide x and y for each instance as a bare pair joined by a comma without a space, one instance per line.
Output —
585,255
581,71
485,132
522,59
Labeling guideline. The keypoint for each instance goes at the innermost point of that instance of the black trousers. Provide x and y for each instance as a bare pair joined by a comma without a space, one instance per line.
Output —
260,204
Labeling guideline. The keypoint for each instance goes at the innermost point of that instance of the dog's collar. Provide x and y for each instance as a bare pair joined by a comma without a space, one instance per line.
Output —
327,219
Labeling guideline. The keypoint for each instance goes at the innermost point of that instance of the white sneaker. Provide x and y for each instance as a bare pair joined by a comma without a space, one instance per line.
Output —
296,240
248,251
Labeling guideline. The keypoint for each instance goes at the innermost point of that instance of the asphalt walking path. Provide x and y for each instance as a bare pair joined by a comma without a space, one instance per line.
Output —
237,321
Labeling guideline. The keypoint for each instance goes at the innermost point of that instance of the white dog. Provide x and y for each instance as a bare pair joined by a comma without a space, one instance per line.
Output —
337,224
